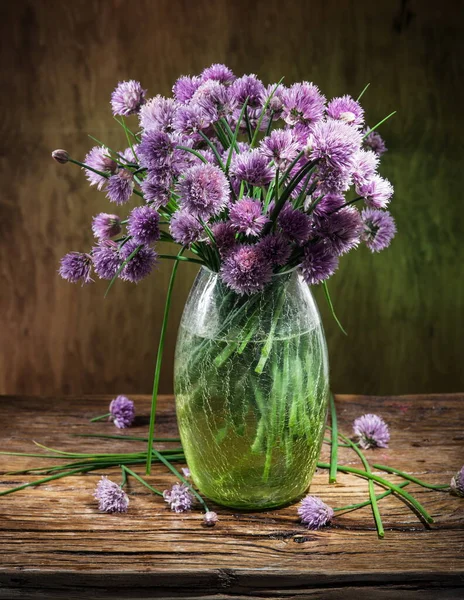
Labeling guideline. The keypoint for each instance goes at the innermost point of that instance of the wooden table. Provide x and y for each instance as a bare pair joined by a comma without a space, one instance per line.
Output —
55,544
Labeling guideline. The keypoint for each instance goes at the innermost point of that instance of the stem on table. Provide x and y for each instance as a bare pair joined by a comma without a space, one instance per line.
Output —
100,417
126,470
159,358
367,502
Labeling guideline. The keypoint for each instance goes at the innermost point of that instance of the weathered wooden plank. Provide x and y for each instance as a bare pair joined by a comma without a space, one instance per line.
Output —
54,541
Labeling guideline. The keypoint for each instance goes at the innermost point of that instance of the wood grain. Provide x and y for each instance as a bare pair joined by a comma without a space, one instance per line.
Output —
60,62
55,543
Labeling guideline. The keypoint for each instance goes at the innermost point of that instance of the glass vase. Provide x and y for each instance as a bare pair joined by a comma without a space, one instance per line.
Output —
251,385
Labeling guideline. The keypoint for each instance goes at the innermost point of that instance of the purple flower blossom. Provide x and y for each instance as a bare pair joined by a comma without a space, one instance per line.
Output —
341,230
252,167
379,229
105,226
371,431
186,472
328,204
204,191
122,412
106,260
248,86
76,266
185,228
247,217
347,110
218,72
127,98
374,141
334,144
276,104
143,225
210,519
157,190
281,147
214,100
120,186
303,104
314,513
275,249
98,158
318,264
128,154
140,265
457,483
179,497
224,234
295,225
155,149
245,270
365,163
376,191
111,497
158,114
191,119
185,87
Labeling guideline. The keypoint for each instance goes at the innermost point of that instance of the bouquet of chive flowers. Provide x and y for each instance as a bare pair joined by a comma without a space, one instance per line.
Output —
261,186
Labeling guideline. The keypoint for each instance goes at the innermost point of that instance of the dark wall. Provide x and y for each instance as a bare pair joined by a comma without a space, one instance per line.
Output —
403,309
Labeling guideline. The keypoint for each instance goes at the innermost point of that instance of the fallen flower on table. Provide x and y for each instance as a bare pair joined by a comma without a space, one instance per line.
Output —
111,497
371,432
314,513
457,483
179,498
122,412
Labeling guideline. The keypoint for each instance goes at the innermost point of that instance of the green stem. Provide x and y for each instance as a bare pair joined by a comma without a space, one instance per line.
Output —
159,358
124,437
129,141
236,132
378,124
367,502
362,93
100,418
142,481
194,152
332,310
266,350
124,477
213,149
411,478
40,481
261,116
334,442
183,258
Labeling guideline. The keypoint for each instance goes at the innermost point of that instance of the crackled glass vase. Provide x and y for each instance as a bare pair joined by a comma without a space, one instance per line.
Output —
251,385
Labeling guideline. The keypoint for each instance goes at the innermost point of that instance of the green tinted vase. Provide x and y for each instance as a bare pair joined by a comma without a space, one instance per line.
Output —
251,384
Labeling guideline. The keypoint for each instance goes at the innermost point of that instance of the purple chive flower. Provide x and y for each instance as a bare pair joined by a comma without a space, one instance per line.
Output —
186,472
295,225
371,431
140,265
347,110
328,204
334,144
281,147
276,104
374,141
106,260
191,119
122,412
120,187
98,158
314,513
155,149
158,114
252,167
127,98
214,99
143,225
179,497
76,266
111,497
376,191
275,249
128,154
185,87
185,228
365,163
157,190
457,483
218,72
318,264
379,229
204,191
303,104
210,519
341,230
248,86
245,271
247,217
105,226
224,234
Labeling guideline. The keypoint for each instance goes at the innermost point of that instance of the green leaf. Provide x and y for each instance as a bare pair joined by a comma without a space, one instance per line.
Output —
378,124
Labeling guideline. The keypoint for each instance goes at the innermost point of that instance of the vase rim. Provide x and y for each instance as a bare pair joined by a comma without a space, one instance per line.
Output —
292,270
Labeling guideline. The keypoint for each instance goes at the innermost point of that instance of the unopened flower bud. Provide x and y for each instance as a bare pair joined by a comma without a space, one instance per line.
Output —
61,156
210,518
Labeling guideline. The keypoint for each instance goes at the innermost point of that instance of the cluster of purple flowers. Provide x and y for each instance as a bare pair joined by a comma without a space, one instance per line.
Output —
253,179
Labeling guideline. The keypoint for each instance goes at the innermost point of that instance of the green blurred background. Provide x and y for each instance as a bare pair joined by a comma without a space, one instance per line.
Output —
403,308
